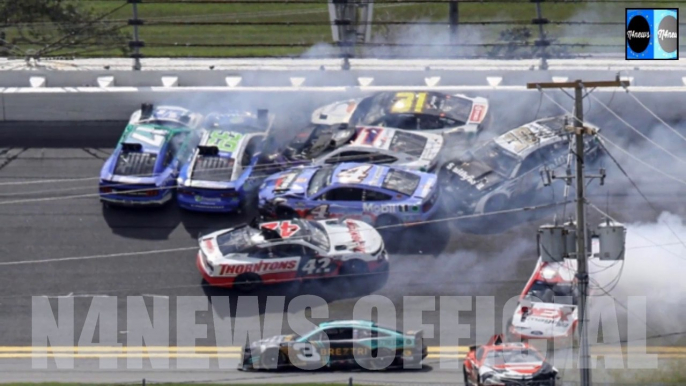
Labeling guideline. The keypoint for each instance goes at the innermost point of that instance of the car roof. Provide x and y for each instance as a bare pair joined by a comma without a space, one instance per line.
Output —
347,323
370,174
527,138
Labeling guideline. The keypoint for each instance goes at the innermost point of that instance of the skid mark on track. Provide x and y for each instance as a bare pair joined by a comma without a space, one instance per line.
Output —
11,158
92,152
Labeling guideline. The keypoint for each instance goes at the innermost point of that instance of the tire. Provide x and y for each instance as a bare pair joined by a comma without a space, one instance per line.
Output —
352,268
247,282
465,376
379,363
390,226
508,334
495,204
269,360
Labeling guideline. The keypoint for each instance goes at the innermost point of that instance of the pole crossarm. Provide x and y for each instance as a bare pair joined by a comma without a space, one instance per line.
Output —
576,83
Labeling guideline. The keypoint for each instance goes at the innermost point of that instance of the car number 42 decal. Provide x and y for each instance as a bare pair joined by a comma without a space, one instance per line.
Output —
317,266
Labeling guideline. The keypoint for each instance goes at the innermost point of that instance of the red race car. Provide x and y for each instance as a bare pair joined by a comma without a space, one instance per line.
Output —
507,364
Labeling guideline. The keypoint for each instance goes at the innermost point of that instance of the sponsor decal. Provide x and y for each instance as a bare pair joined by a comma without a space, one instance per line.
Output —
465,176
388,208
537,332
259,267
477,113
286,229
343,351
353,228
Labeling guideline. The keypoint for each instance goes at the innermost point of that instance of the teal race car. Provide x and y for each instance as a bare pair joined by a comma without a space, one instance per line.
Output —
336,344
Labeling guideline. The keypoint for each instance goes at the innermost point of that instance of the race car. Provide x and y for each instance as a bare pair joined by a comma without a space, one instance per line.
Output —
336,344
547,307
219,175
258,253
313,142
501,363
144,165
505,171
454,115
379,145
381,195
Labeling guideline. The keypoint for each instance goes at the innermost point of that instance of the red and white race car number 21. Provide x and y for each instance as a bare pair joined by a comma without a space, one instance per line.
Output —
285,229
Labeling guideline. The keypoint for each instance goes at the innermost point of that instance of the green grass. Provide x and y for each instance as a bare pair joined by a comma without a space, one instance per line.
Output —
165,384
311,34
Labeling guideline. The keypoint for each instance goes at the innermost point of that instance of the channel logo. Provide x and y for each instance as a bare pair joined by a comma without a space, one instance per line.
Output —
652,34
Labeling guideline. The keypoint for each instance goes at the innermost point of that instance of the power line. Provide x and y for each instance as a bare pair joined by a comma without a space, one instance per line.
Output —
650,204
655,115
637,131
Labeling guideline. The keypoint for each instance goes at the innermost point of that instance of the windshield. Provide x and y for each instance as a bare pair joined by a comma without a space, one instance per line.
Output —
319,237
320,180
213,168
237,240
510,356
375,108
456,108
496,158
401,181
408,143
558,293
135,164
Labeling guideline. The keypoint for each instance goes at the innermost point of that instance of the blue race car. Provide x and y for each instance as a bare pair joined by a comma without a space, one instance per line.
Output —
381,195
219,175
144,165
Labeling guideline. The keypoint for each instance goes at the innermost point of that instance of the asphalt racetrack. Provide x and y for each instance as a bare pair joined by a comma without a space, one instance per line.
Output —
49,210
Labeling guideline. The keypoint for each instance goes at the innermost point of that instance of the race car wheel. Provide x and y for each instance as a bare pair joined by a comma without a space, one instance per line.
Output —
269,360
380,361
465,376
495,204
247,282
390,226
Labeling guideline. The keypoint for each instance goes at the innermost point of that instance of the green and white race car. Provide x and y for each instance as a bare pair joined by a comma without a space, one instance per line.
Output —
340,343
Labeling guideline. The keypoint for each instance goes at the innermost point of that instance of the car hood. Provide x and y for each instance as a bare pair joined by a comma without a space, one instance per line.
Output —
519,370
334,113
474,174
350,236
545,320
273,341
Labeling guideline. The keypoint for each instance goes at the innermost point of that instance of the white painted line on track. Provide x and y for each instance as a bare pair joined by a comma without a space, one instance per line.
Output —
123,254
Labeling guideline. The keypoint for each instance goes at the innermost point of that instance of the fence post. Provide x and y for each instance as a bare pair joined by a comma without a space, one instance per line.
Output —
350,381
542,41
143,381
136,43
454,17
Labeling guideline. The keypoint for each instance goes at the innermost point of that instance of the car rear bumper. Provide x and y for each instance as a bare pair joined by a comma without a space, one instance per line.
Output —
190,203
136,201
212,280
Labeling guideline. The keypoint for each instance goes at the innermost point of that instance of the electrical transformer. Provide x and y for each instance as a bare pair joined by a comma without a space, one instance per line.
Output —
612,237
556,242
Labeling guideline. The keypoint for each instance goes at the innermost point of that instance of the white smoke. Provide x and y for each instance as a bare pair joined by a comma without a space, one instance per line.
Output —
654,267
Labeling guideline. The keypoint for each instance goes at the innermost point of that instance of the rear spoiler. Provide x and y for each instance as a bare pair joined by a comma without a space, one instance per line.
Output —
131,147
208,150
417,334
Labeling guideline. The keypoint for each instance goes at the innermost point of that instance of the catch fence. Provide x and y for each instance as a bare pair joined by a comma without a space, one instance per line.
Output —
384,29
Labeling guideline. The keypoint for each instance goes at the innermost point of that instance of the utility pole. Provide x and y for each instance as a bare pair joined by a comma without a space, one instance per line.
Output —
581,253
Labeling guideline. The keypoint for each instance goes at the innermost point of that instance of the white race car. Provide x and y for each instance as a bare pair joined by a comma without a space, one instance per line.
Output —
247,256
431,112
547,307
379,145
